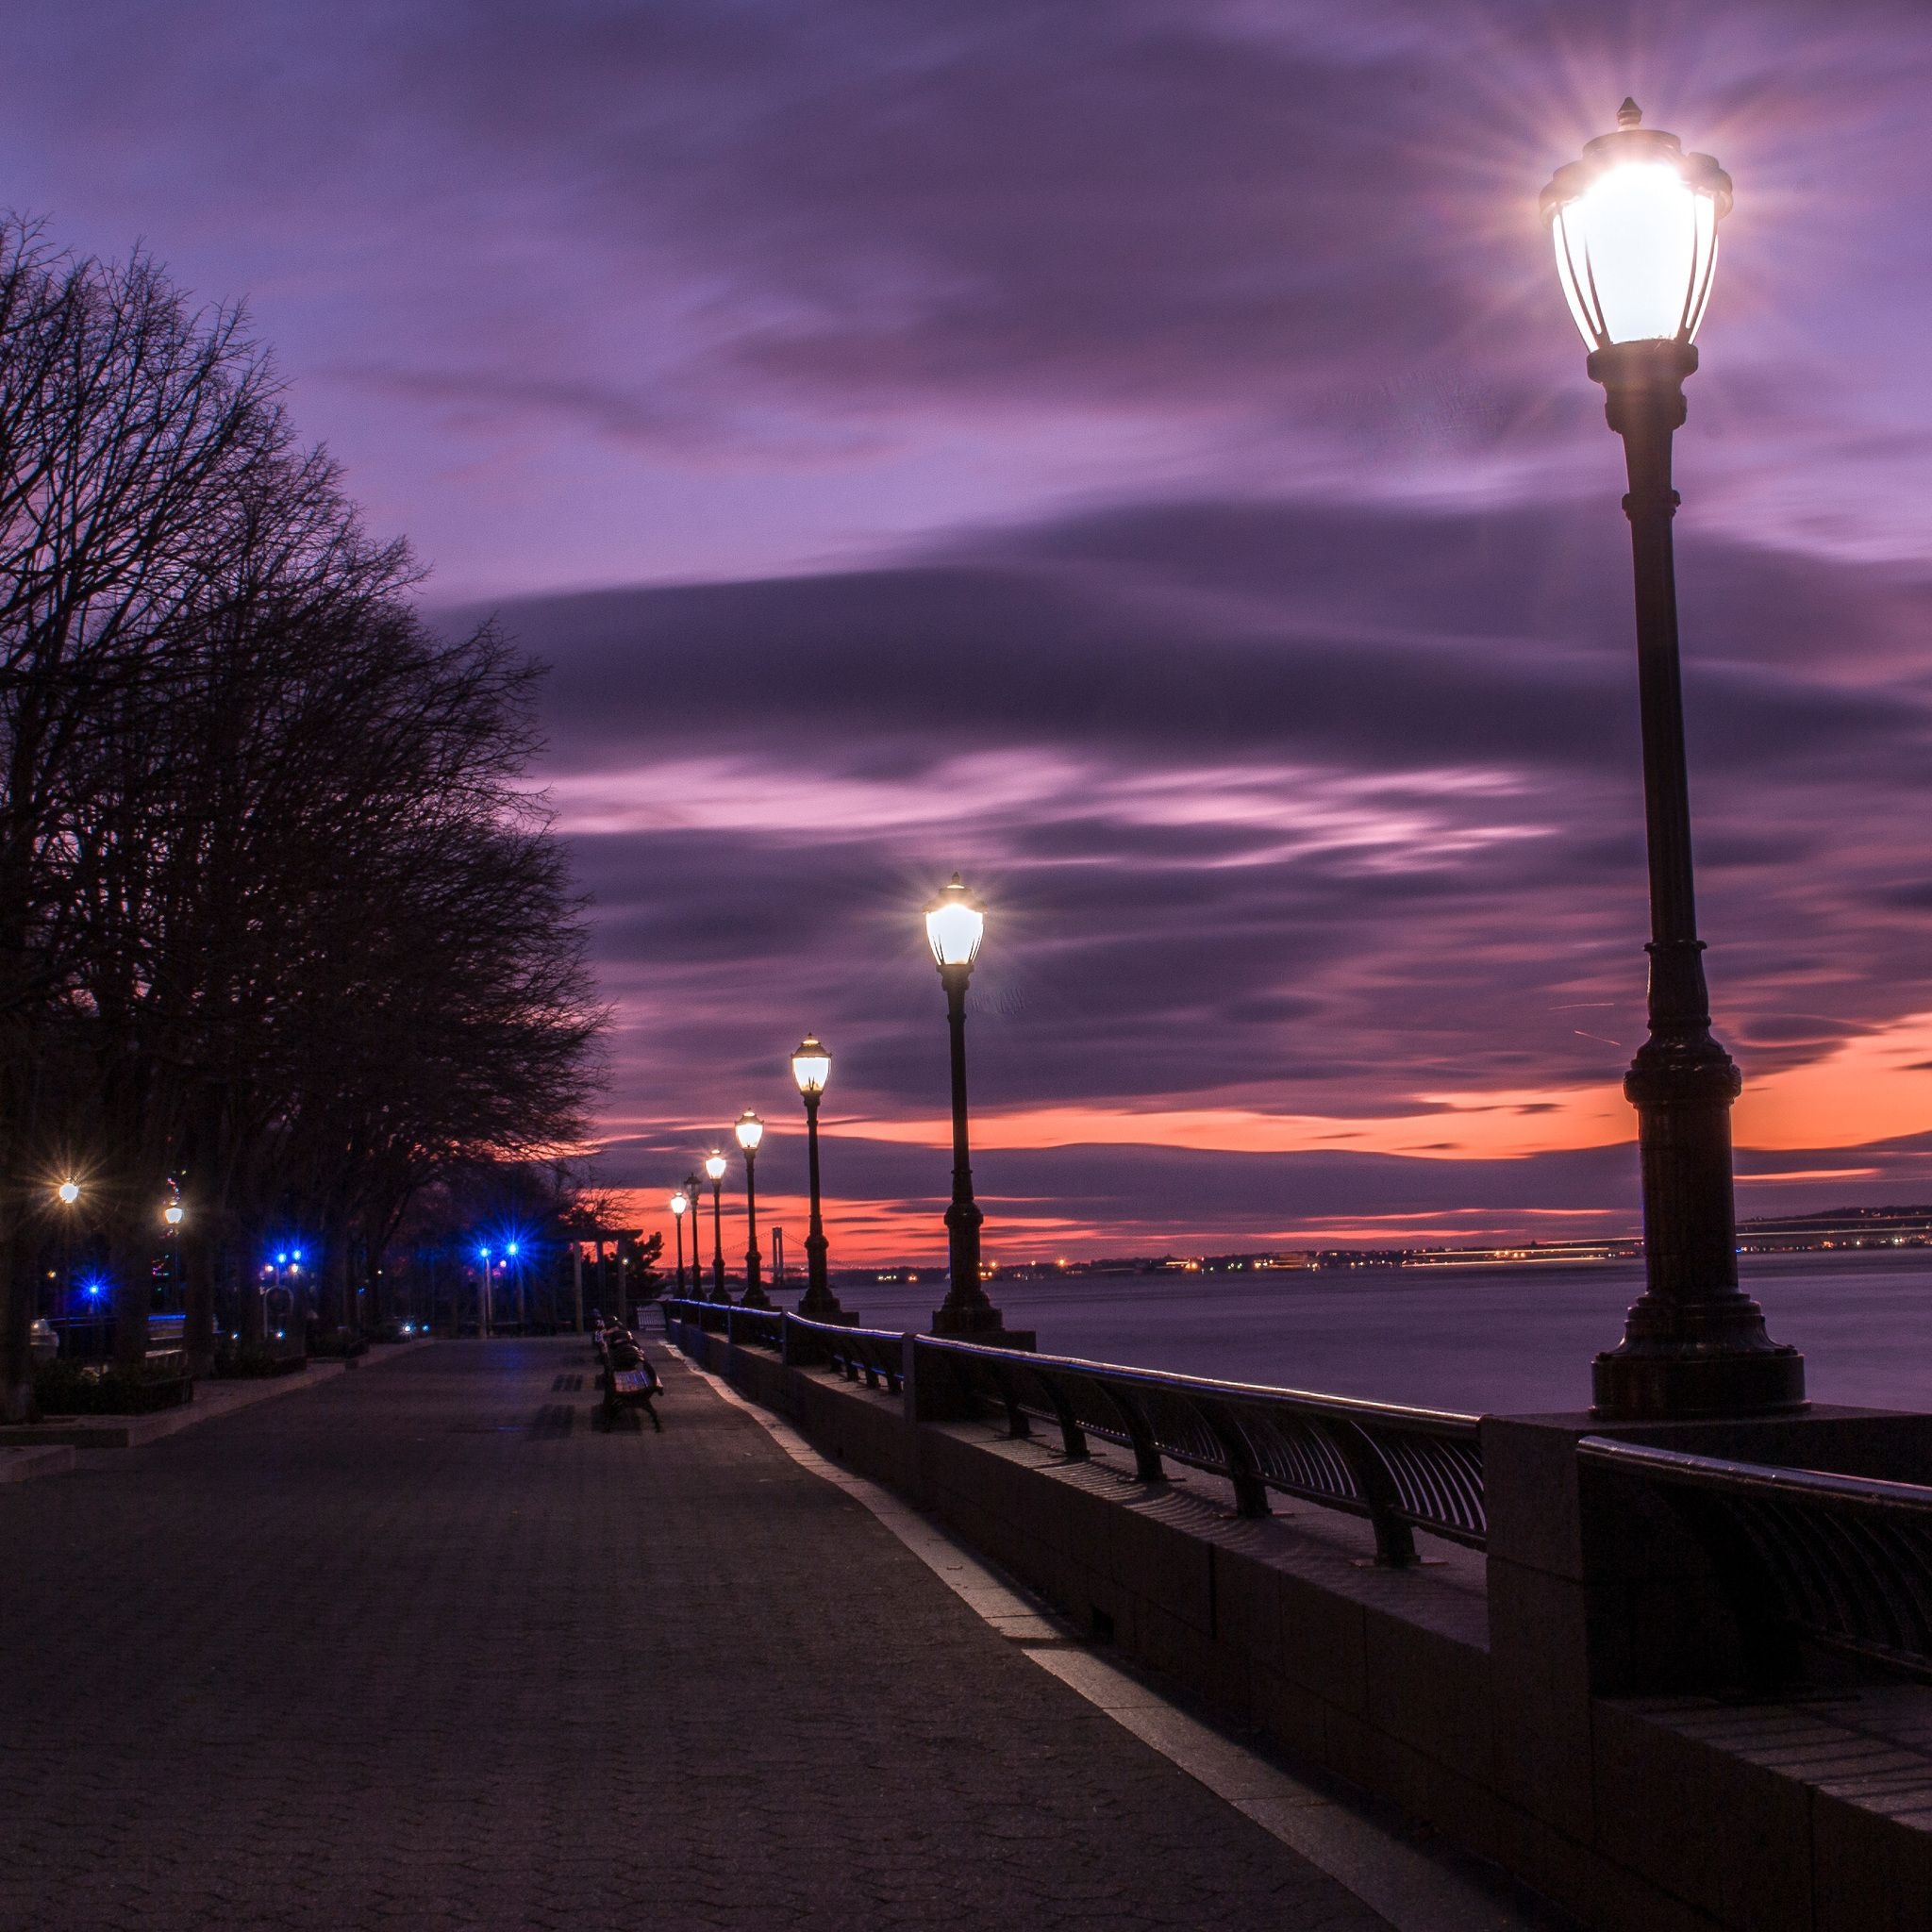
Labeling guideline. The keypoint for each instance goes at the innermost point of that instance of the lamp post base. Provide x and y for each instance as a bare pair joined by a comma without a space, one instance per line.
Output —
1682,1382
984,1325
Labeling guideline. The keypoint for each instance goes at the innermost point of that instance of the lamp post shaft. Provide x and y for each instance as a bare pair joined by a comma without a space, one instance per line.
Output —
677,1222
1694,1343
755,1296
966,1305
818,1300
718,1294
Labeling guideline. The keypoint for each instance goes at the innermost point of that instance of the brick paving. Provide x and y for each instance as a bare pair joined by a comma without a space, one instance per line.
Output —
424,1649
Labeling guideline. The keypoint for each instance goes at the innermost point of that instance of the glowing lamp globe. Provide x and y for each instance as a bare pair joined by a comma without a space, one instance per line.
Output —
69,1192
1635,227
679,1205
172,1213
715,1165
812,1065
749,1131
955,925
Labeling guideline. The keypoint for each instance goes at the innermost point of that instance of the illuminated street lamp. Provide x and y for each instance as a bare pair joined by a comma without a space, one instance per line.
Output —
955,925
680,1207
69,1192
1635,226
812,1067
748,1130
483,1300
715,1165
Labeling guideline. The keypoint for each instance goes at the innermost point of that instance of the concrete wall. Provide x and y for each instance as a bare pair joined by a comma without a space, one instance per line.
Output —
1548,1707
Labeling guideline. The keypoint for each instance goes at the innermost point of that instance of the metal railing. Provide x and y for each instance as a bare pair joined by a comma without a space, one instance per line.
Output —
1403,1468
1843,1562
877,1357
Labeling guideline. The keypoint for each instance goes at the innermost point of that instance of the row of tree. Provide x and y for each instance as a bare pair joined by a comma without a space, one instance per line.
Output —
279,922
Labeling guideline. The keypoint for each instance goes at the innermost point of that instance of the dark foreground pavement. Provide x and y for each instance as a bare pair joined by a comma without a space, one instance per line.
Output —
421,1648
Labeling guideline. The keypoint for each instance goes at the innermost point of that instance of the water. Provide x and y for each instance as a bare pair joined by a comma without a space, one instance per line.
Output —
1502,1340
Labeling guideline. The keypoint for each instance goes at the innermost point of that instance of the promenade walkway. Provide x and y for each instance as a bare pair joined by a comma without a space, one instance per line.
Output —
421,1649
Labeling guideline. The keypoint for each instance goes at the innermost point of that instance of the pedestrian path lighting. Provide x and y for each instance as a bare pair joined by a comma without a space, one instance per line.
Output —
715,1165
680,1207
69,1192
812,1067
955,925
748,1130
1635,224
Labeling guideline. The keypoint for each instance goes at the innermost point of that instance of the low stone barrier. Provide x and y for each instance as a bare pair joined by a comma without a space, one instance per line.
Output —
1573,1703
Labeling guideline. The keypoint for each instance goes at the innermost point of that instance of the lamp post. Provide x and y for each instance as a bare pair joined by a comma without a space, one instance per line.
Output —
679,1208
955,925
483,1298
715,1165
68,1194
748,1130
812,1067
173,1214
1635,227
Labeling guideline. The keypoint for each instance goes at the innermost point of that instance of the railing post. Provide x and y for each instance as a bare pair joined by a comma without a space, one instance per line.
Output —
1249,1491
1148,1463
1019,1427
1395,1538
909,1376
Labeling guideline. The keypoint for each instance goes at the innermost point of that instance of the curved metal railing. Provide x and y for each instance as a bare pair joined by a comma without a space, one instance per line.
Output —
1403,1468
1844,1561
877,1357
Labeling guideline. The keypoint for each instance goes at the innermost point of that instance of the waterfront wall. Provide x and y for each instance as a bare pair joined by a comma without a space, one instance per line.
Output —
1548,1704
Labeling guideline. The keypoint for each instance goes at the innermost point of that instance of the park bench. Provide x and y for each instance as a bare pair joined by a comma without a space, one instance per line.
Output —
630,1380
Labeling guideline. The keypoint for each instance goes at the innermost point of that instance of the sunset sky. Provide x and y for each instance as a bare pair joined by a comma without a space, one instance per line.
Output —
1136,454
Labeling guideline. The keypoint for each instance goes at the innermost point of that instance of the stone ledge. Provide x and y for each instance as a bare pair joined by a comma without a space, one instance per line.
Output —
17,1465
212,1399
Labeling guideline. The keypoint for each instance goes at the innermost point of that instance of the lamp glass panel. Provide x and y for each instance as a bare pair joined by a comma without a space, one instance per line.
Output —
812,1070
679,1204
1635,252
750,1131
955,930
715,1165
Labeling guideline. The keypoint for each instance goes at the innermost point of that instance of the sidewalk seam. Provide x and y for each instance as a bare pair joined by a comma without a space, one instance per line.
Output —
1412,1890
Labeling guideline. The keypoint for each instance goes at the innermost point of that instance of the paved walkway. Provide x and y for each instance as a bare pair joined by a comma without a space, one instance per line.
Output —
423,1648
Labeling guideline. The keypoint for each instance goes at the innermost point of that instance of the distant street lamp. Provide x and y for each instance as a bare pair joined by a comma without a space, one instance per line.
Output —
69,1192
679,1208
715,1165
748,1130
955,925
1635,226
812,1067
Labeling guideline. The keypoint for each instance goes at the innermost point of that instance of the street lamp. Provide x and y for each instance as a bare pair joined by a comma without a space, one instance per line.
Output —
812,1067
955,925
1635,227
483,1300
679,1208
748,1130
715,1165
69,1192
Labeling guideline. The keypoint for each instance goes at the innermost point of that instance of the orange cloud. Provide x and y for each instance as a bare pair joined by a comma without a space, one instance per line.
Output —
1876,1086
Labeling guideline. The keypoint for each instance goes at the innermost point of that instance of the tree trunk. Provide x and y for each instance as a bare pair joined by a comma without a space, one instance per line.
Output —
16,1329
198,1305
132,1267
